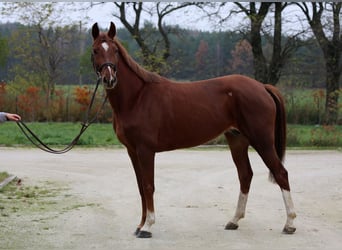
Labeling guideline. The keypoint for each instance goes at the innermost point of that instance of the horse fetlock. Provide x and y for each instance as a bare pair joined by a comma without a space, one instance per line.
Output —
150,218
292,215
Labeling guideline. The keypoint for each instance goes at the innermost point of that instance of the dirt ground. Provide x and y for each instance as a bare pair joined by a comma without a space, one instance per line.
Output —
196,195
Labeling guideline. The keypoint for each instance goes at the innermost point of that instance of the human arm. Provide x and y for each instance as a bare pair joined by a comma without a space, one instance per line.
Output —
9,117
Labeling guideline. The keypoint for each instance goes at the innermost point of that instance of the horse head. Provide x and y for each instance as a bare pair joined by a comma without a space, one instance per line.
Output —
105,55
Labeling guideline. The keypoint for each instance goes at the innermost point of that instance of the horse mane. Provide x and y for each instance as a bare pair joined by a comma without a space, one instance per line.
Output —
142,73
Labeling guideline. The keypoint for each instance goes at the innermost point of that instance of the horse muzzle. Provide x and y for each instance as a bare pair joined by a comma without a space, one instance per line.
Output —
110,81
107,72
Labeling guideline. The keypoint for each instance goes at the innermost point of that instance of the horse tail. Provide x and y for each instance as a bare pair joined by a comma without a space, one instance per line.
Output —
280,124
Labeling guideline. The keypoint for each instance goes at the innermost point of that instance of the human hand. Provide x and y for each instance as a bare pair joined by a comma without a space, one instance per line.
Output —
13,117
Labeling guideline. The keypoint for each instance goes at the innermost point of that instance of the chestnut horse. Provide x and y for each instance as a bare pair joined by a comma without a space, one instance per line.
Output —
153,114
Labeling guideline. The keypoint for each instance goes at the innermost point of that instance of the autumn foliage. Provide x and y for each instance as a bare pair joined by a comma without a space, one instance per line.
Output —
30,102
67,103
82,96
242,58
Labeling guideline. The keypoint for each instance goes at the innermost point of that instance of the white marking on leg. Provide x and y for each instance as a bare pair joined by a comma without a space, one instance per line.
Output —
290,211
105,46
241,208
150,220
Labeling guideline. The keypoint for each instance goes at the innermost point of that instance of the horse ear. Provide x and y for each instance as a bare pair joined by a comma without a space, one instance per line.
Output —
112,30
95,31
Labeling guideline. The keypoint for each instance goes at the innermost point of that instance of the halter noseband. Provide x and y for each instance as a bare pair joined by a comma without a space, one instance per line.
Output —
111,65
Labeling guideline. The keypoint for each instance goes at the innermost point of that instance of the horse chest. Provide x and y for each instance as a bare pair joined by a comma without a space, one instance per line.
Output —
128,133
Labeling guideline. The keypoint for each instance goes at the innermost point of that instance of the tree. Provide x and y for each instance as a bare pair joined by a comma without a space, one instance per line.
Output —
324,20
201,54
242,59
3,51
42,45
268,71
156,53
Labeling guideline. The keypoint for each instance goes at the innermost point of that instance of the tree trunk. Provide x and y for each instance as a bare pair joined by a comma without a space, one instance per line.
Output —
267,71
331,48
332,89
260,63
277,60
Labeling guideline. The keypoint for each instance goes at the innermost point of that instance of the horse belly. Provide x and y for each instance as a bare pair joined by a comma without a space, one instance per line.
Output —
193,129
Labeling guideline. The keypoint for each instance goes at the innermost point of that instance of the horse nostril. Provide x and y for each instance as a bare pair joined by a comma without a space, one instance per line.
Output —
105,80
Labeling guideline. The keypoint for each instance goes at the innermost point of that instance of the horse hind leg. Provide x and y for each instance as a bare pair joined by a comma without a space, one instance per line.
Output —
291,214
279,175
239,149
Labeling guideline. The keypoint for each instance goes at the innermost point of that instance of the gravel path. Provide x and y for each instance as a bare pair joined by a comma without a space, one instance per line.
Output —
196,195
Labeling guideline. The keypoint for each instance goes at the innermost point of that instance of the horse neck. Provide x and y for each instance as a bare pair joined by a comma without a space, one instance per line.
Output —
124,96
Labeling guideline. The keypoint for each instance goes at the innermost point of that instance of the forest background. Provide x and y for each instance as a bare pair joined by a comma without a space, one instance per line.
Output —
46,73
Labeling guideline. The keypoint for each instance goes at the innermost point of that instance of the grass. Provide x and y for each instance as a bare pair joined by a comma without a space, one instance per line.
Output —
102,135
59,134
314,136
307,136
3,176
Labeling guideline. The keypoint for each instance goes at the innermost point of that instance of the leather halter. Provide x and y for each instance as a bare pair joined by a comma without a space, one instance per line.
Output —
100,68
111,65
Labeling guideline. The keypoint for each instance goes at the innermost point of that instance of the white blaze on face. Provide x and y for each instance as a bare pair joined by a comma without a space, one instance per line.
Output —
105,46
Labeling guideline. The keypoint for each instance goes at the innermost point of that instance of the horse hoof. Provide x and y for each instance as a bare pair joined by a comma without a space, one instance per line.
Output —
231,226
137,232
289,230
143,234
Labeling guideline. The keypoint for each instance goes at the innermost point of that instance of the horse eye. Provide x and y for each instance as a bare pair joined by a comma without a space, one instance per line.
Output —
95,51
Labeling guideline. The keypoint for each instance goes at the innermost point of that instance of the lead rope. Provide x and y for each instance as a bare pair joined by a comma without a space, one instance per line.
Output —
41,145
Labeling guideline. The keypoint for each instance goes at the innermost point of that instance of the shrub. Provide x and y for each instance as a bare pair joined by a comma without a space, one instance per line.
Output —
326,136
304,106
30,102
82,96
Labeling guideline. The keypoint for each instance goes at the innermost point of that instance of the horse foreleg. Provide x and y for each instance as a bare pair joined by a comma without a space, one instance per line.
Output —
239,149
146,163
135,162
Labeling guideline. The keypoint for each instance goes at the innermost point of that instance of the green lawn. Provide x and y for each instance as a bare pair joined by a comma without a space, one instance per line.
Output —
102,135
59,134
